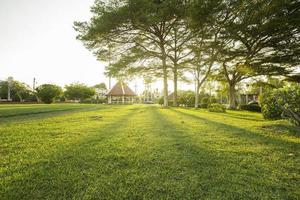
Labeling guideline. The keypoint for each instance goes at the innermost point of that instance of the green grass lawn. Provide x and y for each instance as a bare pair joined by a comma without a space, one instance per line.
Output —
145,152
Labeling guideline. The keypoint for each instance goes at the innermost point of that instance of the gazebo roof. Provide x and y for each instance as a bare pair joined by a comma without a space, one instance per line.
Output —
120,89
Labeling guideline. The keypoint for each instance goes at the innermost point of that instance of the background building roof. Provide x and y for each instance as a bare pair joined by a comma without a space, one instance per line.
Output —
120,89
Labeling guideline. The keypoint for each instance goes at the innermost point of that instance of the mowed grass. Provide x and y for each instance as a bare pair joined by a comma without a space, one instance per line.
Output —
145,152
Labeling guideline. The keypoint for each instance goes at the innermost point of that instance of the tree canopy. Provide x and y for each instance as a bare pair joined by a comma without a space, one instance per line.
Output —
79,91
48,92
239,39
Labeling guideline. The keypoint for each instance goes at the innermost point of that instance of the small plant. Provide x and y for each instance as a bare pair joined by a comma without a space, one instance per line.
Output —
216,107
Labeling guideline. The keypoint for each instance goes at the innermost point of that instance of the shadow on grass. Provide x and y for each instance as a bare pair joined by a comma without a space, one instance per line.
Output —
215,173
63,173
281,128
18,117
241,132
174,166
242,117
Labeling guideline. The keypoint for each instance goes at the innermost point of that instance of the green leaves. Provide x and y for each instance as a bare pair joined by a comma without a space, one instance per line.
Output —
79,91
48,92
283,102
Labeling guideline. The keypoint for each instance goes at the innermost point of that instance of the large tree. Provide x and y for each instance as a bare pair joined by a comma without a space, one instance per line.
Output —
18,91
48,92
208,17
79,91
140,24
260,38
177,51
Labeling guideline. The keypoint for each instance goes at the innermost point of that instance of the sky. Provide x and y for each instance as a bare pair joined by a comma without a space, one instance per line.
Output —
37,40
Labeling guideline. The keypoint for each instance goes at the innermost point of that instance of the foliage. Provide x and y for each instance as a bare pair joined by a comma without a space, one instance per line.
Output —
204,102
79,91
99,100
161,100
212,100
18,92
216,107
251,107
267,85
283,102
241,39
48,92
261,39
136,30
186,98
101,86
269,106
207,100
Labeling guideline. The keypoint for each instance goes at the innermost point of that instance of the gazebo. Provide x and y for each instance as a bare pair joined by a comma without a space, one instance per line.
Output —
120,94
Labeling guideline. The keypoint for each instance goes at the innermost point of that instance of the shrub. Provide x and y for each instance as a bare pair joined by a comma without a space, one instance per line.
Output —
251,107
204,100
161,101
186,98
216,107
79,91
212,100
269,106
203,105
48,92
283,102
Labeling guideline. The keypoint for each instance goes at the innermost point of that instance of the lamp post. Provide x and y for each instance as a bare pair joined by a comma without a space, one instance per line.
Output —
9,85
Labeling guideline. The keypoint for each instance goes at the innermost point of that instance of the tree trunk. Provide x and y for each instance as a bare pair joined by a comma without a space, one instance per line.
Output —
20,97
232,99
175,87
165,73
197,94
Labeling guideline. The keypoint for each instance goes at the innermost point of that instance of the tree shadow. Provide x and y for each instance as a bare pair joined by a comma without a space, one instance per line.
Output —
221,173
173,165
241,132
242,117
63,173
282,129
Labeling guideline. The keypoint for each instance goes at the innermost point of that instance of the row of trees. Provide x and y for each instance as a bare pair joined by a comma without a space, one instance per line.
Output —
18,91
224,40
48,92
75,91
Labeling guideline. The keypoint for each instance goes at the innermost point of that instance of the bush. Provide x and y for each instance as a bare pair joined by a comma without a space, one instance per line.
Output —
212,100
204,100
207,101
251,107
79,91
161,101
216,107
186,98
269,106
48,92
283,102
203,105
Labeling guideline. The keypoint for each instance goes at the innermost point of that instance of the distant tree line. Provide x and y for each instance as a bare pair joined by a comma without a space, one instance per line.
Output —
48,93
